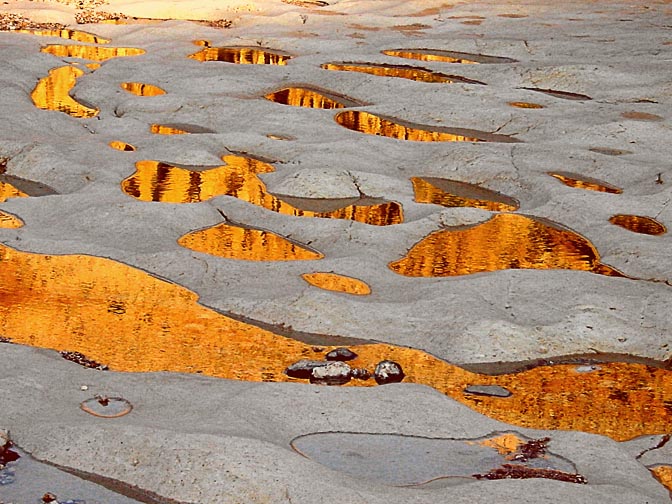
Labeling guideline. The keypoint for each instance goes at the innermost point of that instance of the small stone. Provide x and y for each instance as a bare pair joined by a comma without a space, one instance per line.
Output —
304,368
341,354
487,390
361,374
49,497
388,372
333,373
84,387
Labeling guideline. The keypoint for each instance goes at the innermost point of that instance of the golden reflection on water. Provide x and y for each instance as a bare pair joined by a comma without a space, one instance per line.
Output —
236,242
9,191
525,105
127,319
446,56
505,444
337,283
663,473
141,89
506,241
241,55
639,224
365,122
159,129
9,221
401,71
53,93
122,146
588,183
451,193
91,52
310,98
157,181
76,35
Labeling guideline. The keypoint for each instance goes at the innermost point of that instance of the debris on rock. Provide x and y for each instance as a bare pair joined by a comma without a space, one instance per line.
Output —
388,372
82,360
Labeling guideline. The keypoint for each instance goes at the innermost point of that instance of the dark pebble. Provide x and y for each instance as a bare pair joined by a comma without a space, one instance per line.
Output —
341,354
303,368
361,374
388,372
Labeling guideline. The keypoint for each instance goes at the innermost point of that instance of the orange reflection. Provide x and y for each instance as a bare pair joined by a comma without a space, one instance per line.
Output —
9,191
122,146
235,242
53,93
157,181
338,283
639,224
91,52
9,221
446,56
451,193
140,89
371,124
78,36
310,98
159,129
402,71
525,105
506,241
67,302
505,444
581,182
241,55
663,473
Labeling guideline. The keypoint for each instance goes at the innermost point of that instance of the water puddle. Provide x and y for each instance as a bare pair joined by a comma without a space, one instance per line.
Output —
337,283
641,116
157,181
525,105
154,325
122,146
178,129
451,193
446,56
9,221
663,473
91,52
639,224
240,55
76,35
588,183
506,241
608,151
53,93
311,97
8,190
141,89
565,95
418,74
416,460
249,244
365,122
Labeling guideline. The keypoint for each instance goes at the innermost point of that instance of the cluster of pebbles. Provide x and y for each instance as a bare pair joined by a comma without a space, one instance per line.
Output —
334,370
10,22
